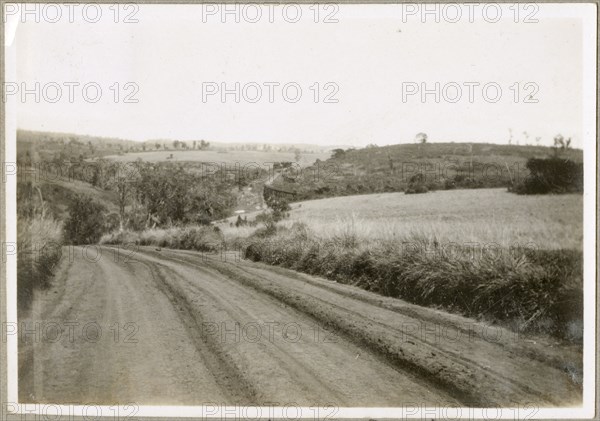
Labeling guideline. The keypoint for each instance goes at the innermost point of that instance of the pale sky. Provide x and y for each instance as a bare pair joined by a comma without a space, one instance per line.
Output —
370,55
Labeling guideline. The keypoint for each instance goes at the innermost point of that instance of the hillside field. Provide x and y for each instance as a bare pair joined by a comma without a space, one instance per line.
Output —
462,216
226,157
444,166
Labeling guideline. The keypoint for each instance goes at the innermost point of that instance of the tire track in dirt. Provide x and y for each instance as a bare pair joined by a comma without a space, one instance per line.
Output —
306,382
237,389
302,373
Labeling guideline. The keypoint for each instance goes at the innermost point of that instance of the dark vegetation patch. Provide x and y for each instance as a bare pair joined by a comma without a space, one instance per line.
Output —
553,175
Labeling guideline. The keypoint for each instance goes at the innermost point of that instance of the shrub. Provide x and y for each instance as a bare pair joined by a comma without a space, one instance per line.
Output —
279,207
420,188
241,222
449,184
85,223
551,175
417,184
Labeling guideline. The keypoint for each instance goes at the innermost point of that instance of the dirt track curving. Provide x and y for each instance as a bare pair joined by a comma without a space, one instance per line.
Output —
177,327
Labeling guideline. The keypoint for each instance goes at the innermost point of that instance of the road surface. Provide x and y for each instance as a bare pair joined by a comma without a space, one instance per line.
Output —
181,328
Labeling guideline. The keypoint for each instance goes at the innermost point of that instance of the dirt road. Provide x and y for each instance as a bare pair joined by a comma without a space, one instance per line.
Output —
179,327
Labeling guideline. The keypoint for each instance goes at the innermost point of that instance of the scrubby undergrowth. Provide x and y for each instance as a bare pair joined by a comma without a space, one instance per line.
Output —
200,238
537,291
551,176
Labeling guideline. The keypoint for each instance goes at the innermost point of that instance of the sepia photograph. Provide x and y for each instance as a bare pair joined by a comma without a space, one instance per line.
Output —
261,211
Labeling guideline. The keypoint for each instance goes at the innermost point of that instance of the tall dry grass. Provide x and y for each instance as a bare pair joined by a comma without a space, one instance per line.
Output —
39,248
527,289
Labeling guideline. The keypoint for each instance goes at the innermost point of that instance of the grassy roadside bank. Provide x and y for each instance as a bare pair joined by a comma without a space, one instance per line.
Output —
528,290
535,291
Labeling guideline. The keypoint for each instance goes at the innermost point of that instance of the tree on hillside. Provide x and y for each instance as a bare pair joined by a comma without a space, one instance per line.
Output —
278,205
561,144
86,220
194,144
157,145
338,153
297,154
122,184
421,138
175,144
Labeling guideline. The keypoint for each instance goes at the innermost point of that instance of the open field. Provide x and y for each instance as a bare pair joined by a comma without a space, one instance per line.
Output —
60,191
228,157
481,215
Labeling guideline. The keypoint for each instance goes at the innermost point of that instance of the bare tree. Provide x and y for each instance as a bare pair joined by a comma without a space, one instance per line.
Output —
561,144
559,141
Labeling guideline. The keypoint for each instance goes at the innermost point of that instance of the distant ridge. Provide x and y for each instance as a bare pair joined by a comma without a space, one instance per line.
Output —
383,169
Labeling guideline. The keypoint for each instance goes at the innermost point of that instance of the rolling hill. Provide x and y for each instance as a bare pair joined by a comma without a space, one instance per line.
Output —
392,168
